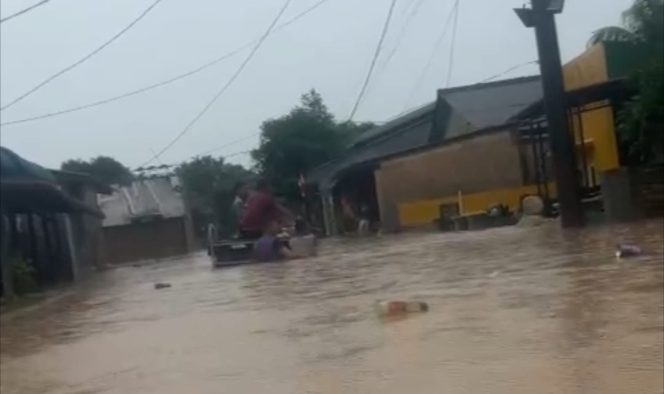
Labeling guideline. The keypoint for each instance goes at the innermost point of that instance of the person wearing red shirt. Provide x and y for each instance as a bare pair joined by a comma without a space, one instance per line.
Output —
261,208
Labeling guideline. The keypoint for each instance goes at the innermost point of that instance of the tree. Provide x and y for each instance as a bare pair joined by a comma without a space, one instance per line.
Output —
641,120
642,23
104,168
304,138
208,185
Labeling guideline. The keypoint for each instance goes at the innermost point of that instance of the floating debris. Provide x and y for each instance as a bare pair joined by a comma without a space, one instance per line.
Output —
395,308
159,286
626,250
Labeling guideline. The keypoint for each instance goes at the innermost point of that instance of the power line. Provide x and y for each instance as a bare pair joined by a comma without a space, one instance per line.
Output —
429,62
23,11
227,144
84,58
416,5
450,65
508,71
223,88
373,61
165,82
125,95
228,156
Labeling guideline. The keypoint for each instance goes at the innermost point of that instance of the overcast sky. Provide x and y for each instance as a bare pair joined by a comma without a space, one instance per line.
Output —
329,50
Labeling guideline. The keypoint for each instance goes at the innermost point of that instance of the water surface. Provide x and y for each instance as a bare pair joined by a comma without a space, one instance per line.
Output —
512,310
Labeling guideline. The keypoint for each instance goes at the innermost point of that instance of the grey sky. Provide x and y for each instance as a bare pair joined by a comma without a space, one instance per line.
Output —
329,50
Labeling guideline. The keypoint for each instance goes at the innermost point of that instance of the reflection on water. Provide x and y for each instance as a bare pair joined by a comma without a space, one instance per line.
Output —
513,310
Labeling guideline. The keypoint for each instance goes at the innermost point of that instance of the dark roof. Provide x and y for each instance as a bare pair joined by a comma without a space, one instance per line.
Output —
34,196
28,187
494,103
613,89
14,167
79,178
422,111
409,135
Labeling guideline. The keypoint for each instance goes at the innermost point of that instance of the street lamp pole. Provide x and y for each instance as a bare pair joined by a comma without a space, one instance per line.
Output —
541,17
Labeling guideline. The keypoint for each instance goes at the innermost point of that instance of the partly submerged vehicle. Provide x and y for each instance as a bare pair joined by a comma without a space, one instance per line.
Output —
230,252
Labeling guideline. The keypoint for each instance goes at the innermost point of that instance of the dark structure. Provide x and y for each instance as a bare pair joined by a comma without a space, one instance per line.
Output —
40,215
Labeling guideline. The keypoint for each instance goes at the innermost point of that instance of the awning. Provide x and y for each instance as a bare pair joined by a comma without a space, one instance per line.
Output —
26,187
40,196
71,177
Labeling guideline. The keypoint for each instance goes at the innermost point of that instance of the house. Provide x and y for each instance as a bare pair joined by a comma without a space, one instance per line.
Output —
480,145
147,219
378,160
40,222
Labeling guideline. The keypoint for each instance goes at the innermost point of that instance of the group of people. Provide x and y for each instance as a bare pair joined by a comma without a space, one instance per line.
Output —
259,216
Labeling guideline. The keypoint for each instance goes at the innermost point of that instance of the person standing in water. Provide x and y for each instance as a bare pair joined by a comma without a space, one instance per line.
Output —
261,210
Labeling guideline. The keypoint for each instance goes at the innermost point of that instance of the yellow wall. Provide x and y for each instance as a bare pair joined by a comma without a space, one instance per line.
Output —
420,213
587,69
599,134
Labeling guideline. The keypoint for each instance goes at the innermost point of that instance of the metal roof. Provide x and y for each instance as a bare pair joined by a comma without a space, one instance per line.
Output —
14,167
72,177
27,187
376,132
494,103
145,198
387,142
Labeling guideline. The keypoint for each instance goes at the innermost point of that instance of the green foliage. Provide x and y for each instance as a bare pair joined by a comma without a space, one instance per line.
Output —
22,275
302,139
104,168
208,185
641,120
642,23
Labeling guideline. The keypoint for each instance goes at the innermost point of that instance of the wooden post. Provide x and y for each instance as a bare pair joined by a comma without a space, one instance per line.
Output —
71,246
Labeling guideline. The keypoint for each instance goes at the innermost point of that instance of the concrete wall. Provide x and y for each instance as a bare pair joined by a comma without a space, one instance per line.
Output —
150,240
482,163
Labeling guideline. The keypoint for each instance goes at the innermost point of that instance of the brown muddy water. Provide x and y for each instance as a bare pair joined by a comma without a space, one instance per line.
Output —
512,310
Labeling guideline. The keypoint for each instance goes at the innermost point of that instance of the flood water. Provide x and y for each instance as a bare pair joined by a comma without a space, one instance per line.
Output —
512,310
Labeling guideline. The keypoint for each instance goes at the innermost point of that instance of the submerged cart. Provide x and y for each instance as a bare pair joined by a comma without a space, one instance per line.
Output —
231,252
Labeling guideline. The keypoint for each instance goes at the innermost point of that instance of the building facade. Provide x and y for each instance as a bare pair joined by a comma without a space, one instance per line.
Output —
145,220
479,148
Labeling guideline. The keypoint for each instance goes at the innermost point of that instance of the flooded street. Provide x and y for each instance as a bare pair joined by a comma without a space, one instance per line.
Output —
512,310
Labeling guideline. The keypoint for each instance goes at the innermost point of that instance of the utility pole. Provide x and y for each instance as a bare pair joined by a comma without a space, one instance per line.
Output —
541,17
